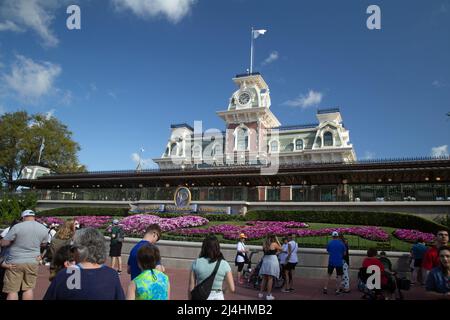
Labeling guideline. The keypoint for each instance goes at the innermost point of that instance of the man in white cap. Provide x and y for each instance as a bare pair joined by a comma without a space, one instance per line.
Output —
336,250
25,240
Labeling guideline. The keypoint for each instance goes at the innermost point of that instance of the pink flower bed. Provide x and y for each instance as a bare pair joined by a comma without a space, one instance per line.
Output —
137,224
259,229
49,220
413,235
94,221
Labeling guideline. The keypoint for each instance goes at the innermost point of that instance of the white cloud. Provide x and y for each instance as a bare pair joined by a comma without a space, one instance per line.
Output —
49,114
311,99
439,84
135,157
368,155
145,163
271,58
36,15
91,90
2,110
66,97
112,95
174,10
441,151
10,26
31,80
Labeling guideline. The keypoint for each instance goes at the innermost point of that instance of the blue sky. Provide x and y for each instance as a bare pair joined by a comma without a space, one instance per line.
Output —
136,67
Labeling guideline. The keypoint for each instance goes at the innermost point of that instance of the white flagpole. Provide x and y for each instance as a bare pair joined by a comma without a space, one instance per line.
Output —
251,54
41,149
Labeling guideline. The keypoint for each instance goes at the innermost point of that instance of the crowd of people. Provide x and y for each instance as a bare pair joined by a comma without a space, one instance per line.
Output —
78,270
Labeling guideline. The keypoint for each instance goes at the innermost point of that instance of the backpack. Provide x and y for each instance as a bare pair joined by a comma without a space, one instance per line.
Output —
202,290
120,235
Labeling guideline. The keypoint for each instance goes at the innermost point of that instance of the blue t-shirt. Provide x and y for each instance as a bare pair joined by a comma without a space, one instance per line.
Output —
437,281
95,284
418,250
132,259
336,250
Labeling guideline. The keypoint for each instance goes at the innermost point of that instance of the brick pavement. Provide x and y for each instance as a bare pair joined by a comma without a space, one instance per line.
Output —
305,289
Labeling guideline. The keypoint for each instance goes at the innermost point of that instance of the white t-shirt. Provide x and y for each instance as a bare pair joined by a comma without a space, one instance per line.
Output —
294,247
240,248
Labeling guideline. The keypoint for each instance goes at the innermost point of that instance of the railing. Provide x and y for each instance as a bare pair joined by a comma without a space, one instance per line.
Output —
307,193
253,166
298,126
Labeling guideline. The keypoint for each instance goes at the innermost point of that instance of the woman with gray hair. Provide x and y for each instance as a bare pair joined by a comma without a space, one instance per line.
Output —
89,279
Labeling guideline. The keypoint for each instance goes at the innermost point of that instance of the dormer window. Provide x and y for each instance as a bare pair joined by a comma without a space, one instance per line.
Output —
328,139
298,144
174,149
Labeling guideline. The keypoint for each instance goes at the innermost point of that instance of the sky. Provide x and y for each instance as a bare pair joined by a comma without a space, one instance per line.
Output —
137,66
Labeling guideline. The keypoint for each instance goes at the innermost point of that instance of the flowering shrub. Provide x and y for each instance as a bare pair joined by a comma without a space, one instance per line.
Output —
258,230
49,220
136,224
94,221
413,235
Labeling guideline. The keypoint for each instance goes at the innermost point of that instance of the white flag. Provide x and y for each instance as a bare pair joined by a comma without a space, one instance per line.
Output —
42,145
257,33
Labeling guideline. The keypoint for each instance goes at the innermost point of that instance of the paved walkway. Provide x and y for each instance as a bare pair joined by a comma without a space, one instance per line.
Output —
305,289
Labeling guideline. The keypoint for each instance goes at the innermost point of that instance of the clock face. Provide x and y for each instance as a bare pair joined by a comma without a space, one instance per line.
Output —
244,98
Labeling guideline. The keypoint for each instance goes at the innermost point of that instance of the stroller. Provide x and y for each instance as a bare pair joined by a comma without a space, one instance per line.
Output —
394,284
253,278
369,294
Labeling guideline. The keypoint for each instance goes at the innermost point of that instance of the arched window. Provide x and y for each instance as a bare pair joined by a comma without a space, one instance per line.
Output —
196,152
274,146
174,149
289,147
299,144
242,139
327,139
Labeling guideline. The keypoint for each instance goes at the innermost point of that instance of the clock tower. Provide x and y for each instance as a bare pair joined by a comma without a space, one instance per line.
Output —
247,119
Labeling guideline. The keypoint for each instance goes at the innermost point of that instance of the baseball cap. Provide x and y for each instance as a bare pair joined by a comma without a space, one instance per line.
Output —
335,234
115,221
28,213
242,235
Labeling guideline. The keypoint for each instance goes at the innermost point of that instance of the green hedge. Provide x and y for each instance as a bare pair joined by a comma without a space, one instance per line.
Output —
81,211
383,219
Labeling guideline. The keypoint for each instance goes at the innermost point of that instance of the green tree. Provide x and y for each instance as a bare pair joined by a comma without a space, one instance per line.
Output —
11,206
21,138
